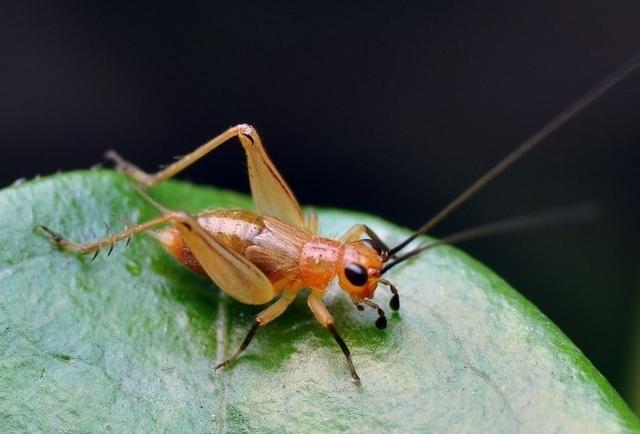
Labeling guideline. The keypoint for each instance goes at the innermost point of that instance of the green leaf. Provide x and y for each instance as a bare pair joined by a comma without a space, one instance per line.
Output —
126,343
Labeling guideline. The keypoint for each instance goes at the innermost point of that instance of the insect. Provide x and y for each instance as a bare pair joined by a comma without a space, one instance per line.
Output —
276,252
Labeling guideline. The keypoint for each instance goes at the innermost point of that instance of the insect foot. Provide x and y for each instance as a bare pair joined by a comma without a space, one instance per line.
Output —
55,237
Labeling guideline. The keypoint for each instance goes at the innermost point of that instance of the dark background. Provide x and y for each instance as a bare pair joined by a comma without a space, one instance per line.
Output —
392,110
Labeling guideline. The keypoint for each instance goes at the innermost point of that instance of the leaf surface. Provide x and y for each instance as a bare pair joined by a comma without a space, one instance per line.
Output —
127,343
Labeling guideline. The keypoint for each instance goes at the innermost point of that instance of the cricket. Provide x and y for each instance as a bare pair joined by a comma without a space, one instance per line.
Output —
277,251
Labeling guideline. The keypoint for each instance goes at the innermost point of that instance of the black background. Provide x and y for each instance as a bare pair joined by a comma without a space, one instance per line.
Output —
391,110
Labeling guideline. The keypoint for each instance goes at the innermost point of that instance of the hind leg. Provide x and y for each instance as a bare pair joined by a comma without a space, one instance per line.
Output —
96,246
271,194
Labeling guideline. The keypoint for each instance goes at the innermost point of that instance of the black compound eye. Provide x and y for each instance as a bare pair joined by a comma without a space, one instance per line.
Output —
375,246
356,274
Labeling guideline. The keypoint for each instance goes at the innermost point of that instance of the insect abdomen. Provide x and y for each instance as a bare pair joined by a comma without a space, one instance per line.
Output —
273,246
234,228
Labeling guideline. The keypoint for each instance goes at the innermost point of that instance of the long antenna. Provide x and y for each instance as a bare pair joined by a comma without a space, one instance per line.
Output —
580,104
577,213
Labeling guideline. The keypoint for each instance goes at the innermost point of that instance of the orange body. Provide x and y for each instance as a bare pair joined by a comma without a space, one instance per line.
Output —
256,257
291,257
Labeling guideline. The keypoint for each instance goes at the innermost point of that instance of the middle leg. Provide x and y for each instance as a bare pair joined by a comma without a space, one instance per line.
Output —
324,317
263,318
